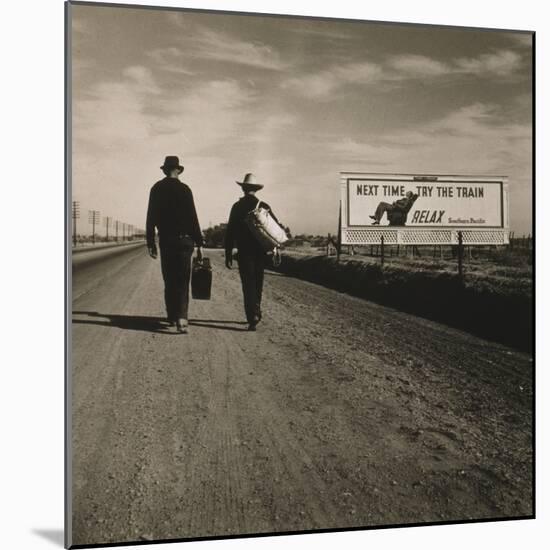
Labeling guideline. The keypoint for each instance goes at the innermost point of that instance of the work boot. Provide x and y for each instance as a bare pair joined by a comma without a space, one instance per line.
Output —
181,326
252,324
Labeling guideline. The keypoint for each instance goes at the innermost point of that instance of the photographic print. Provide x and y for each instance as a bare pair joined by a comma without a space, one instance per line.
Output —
300,294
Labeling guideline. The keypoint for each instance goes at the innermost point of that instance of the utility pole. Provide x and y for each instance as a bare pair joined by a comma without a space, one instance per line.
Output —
76,215
93,218
123,231
107,220
116,230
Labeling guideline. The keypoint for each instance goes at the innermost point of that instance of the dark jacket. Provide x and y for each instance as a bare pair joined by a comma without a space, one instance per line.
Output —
401,207
405,203
172,211
237,232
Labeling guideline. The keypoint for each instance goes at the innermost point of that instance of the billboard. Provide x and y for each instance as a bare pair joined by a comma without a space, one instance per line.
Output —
424,203
418,204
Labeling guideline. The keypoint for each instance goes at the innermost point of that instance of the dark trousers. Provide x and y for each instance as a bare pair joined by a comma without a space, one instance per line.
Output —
251,270
175,261
381,208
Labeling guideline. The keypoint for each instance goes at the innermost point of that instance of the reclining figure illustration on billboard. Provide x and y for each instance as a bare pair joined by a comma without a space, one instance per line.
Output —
396,212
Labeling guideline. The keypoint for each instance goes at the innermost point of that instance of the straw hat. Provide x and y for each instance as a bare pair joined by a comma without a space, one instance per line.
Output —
249,183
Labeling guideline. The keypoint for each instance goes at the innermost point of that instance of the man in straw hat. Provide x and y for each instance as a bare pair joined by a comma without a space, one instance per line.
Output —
172,211
251,255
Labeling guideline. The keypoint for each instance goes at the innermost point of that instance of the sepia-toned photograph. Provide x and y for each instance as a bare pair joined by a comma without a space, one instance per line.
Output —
300,274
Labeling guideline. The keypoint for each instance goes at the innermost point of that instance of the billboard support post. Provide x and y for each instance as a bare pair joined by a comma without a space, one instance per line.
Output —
382,249
460,254
339,234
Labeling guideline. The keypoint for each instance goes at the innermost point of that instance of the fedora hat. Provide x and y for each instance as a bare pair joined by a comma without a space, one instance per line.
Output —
249,182
170,163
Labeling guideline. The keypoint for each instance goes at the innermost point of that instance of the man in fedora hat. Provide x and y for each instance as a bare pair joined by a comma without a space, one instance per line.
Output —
172,211
251,255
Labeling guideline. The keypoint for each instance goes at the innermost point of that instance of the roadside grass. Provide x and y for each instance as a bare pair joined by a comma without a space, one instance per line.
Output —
493,300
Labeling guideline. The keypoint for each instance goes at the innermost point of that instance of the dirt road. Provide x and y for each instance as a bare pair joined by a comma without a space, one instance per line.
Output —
336,413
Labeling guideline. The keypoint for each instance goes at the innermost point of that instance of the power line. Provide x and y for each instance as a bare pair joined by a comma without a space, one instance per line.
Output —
129,231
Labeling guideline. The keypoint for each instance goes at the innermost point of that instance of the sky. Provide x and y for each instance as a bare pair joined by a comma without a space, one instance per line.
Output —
293,100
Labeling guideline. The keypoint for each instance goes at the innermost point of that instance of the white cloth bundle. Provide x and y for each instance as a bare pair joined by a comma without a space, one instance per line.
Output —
266,230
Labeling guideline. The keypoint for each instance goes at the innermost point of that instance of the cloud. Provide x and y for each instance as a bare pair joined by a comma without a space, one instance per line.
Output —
170,59
202,42
124,100
123,128
416,65
199,117
266,131
94,130
350,150
219,46
206,115
142,79
322,84
472,139
500,63
320,30
401,68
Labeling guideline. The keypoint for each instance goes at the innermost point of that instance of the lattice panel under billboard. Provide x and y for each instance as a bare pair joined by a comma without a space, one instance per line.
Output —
369,236
434,236
409,236
484,237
